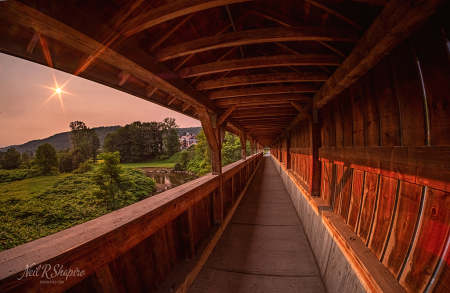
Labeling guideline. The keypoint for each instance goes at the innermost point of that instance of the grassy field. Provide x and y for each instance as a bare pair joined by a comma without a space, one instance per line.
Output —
151,163
36,207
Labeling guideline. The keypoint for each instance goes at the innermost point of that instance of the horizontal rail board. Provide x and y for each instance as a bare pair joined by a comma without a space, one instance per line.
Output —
428,166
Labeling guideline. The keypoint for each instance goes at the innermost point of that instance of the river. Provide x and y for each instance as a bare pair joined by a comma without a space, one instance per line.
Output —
166,181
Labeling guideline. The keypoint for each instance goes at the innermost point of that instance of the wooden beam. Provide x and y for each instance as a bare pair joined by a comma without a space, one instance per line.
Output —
123,77
418,165
396,22
332,49
262,78
301,88
262,99
260,62
210,128
226,114
256,37
374,2
45,49
171,101
335,13
150,90
301,110
185,106
139,64
33,43
170,11
164,35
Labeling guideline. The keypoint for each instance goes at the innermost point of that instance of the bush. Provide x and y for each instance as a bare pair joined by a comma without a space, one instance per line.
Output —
83,168
178,167
116,184
18,174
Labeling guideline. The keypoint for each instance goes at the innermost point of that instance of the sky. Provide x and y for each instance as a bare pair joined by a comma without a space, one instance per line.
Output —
28,112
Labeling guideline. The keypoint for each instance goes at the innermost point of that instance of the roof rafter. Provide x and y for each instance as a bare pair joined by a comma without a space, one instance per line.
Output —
262,78
301,88
262,99
170,11
260,62
255,37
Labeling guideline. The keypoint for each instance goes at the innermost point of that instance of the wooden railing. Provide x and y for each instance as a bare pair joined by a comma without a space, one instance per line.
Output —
134,249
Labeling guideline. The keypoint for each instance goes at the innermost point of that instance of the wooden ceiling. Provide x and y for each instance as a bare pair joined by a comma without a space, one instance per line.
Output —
255,64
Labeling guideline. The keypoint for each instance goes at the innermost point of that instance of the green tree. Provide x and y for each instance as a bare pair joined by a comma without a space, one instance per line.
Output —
65,162
201,163
46,158
84,139
170,136
11,159
231,149
25,161
113,185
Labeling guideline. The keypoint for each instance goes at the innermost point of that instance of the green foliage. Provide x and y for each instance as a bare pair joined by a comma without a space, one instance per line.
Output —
37,207
201,163
116,185
183,158
83,168
46,159
178,167
25,162
171,142
231,149
85,140
11,159
17,174
136,142
65,162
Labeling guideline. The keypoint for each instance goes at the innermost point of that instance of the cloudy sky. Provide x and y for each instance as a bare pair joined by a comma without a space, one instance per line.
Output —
27,112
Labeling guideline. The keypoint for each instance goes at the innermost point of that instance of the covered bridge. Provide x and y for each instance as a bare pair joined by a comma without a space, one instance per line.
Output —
353,98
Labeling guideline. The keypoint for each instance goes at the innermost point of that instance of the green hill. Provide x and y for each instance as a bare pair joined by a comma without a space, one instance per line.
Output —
61,141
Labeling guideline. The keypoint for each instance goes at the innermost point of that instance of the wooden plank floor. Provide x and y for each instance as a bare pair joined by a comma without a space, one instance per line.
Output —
264,247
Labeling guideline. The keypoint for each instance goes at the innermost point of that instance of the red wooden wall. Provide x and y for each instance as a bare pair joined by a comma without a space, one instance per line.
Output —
385,152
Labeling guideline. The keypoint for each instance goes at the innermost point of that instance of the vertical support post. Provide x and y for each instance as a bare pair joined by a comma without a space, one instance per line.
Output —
214,135
242,138
315,166
288,152
252,147
187,234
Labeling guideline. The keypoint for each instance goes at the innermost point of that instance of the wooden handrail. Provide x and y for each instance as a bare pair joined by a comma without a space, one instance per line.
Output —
91,245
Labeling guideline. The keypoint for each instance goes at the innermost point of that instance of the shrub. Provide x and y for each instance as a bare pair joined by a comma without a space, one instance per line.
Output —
178,167
83,168
65,162
18,174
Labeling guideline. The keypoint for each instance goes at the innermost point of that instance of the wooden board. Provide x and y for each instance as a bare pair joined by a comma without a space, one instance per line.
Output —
371,112
356,198
346,193
403,227
348,118
432,52
430,242
368,206
410,94
387,103
384,214
357,114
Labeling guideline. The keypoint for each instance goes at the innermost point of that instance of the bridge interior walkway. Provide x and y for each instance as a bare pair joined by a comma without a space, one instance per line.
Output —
264,247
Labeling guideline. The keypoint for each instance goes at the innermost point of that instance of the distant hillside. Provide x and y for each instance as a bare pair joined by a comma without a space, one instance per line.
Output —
61,141
191,130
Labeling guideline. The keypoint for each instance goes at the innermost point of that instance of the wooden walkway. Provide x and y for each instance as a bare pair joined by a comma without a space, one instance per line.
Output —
264,247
